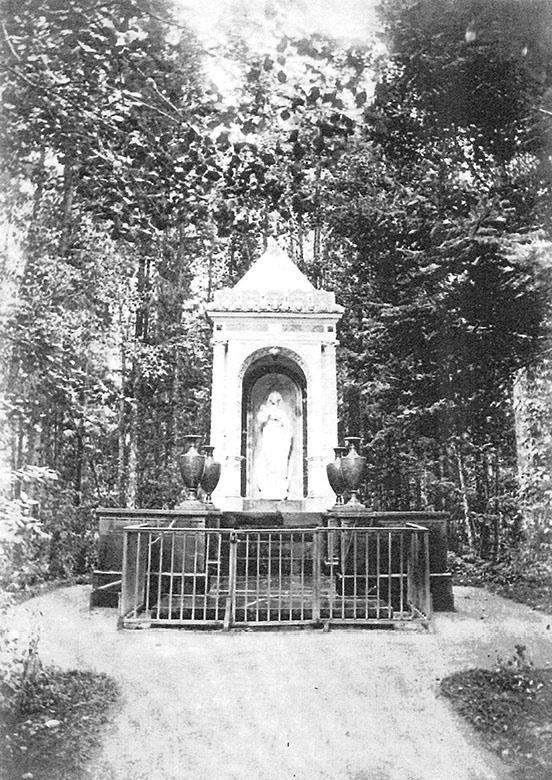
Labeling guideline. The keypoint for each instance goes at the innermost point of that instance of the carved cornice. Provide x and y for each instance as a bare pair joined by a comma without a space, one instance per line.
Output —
316,301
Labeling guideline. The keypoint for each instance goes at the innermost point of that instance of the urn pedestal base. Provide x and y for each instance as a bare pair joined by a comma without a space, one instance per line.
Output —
106,579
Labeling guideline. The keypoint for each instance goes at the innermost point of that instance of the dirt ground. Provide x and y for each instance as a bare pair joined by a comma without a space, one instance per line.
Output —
350,704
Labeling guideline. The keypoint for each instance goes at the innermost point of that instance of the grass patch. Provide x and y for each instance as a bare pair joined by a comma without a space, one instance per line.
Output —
511,708
525,581
51,720
534,593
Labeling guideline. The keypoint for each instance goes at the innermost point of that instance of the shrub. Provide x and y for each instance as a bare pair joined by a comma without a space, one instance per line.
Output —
50,719
511,707
43,535
522,573
23,544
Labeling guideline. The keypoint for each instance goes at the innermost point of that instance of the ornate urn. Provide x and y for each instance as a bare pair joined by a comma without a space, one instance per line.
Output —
211,472
352,467
192,466
335,477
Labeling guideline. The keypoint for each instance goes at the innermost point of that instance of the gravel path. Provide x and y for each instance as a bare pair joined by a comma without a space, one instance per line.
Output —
273,705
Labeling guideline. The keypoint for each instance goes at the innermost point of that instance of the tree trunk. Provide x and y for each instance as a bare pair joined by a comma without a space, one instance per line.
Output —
81,436
121,424
464,498
79,469
132,483
66,216
495,476
141,332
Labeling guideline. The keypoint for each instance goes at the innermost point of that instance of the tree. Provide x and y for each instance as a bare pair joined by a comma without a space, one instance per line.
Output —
107,171
137,188
443,309
287,127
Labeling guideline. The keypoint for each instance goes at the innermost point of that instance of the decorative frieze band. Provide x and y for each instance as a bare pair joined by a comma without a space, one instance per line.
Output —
275,300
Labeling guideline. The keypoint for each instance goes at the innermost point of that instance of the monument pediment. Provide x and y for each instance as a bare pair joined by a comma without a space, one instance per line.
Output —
274,284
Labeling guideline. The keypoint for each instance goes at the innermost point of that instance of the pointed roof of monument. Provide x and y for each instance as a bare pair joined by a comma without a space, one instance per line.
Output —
274,283
274,270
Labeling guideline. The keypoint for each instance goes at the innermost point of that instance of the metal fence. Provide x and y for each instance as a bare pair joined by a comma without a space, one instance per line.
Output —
274,577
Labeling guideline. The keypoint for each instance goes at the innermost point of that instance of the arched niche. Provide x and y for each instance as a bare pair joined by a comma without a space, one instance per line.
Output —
274,427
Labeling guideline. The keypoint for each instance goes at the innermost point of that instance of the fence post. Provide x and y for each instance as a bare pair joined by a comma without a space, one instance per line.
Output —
428,603
316,573
410,571
418,593
123,601
231,598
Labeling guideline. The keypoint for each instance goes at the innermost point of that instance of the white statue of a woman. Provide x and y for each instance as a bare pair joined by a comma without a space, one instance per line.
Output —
274,448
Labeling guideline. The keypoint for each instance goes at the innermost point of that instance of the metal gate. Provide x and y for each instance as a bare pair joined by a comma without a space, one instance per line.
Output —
274,577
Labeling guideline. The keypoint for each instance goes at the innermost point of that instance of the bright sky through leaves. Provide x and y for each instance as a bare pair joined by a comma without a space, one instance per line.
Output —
263,23
349,20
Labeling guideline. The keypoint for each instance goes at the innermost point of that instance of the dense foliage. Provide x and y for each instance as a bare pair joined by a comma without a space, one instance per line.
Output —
106,177
451,184
134,187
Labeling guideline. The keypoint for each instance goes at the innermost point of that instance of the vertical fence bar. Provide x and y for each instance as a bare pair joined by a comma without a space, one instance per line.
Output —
389,572
332,583
171,580
230,607
160,572
316,573
291,588
409,572
378,572
427,591
148,570
259,550
280,545
248,559
205,546
355,573
367,574
217,589
302,576
401,571
194,576
184,568
124,600
269,578
343,556
184,537
257,574
246,586
137,575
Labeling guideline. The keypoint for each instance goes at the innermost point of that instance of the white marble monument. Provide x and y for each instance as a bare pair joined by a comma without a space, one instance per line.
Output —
274,398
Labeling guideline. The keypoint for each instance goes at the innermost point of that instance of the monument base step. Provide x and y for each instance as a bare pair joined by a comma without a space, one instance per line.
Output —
272,519
106,587
440,586
271,505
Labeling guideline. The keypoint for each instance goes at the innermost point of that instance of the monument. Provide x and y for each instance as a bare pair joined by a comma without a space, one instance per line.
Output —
275,511
274,396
